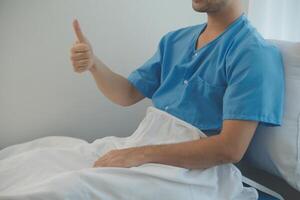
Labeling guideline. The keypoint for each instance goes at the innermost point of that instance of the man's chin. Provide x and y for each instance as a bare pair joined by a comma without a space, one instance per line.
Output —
198,7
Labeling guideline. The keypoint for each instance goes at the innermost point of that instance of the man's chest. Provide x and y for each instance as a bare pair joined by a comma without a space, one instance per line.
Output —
207,63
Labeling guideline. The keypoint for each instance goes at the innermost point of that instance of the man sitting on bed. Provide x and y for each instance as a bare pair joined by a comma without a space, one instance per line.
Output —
220,76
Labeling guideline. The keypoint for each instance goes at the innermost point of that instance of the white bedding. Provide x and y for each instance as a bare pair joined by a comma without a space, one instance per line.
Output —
61,168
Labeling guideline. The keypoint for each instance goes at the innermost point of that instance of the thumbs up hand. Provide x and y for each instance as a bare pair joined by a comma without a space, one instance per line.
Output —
82,56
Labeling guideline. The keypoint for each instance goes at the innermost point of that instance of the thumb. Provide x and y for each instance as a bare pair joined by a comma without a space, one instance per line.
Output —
78,31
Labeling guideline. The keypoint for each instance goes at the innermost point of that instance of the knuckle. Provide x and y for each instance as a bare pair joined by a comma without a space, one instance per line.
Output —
82,45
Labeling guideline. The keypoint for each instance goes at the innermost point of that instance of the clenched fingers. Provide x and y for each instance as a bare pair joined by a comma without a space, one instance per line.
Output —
81,63
80,48
80,56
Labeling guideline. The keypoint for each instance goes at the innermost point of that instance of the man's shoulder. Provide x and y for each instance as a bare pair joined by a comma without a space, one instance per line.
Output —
250,42
250,48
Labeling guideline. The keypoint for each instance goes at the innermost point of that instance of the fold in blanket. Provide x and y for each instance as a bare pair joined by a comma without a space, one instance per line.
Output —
61,168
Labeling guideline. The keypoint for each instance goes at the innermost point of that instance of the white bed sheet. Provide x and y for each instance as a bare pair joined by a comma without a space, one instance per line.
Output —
59,167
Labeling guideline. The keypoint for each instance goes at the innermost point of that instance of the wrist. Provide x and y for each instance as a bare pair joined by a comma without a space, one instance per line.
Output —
93,68
145,153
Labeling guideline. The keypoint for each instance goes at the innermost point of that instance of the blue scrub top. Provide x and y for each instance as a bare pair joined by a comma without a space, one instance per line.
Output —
238,75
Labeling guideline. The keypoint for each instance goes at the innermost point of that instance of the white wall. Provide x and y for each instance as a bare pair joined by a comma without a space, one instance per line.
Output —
40,95
246,5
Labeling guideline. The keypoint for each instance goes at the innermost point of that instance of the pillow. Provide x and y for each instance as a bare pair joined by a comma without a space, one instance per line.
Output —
277,149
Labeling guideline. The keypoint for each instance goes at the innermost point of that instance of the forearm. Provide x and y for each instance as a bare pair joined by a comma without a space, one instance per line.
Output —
196,154
114,86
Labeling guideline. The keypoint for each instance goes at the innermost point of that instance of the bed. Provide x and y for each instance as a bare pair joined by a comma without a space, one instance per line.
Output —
256,174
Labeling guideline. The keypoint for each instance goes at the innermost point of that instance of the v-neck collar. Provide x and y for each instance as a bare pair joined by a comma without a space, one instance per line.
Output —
202,27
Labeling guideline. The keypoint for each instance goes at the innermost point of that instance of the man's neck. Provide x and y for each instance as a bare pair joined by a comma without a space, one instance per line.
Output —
218,21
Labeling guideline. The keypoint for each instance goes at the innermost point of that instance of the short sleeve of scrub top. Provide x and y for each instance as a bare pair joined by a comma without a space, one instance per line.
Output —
255,85
146,78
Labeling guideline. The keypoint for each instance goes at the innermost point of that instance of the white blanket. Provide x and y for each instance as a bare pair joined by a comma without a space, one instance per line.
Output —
61,168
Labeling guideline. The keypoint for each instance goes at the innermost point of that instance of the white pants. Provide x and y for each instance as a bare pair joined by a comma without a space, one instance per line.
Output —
61,168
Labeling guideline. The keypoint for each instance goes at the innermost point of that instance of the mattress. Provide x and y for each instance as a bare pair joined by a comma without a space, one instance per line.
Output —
264,193
265,196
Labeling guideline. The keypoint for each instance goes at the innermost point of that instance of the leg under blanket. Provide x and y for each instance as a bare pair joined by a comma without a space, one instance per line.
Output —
57,167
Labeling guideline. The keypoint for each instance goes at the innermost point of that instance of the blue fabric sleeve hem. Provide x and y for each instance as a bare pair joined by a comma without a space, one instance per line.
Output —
135,79
263,120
